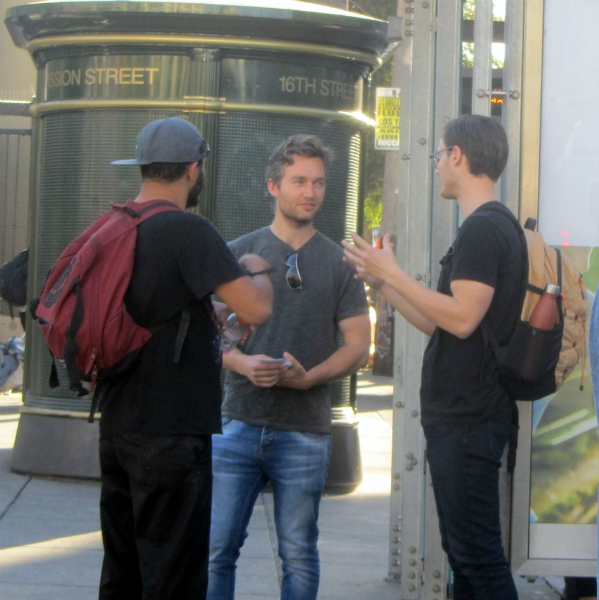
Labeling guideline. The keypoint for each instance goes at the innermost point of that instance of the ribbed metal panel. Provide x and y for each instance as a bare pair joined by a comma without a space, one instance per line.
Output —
352,202
243,201
15,150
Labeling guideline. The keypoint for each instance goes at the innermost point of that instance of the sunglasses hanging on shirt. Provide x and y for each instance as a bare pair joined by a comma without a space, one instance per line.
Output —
294,279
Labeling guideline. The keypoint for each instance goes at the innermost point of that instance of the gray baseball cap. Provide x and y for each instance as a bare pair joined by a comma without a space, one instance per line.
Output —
171,140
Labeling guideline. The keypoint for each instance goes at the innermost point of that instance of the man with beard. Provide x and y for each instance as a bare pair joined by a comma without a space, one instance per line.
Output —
158,416
276,412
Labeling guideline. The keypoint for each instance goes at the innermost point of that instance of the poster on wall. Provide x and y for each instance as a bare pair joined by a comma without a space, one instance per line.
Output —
564,459
387,119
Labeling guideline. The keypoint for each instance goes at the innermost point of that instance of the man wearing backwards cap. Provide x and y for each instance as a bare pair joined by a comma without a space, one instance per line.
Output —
158,417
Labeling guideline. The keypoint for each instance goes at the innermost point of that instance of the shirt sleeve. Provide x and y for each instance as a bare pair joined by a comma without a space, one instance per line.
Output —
352,297
205,259
478,252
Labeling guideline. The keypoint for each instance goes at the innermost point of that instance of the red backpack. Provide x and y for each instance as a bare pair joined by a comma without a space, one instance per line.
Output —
81,310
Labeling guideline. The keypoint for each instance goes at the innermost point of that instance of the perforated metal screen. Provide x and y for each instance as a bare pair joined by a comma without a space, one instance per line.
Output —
245,142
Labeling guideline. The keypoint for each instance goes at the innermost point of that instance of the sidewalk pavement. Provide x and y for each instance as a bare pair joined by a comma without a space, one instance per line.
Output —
51,548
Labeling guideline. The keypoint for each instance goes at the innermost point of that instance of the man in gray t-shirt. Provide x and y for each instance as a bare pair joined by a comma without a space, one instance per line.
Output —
276,412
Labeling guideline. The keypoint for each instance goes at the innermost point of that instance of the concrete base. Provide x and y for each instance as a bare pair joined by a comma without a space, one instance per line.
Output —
345,468
67,446
57,446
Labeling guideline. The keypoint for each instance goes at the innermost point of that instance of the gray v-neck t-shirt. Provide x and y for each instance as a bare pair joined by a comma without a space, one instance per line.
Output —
304,322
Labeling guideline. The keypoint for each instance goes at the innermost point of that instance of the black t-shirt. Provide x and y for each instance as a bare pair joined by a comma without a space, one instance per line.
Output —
459,377
179,259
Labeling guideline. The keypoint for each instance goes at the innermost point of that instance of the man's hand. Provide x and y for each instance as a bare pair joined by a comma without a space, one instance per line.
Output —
295,376
259,372
370,262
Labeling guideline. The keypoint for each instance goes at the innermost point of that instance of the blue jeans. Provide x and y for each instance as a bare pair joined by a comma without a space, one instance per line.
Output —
464,464
244,459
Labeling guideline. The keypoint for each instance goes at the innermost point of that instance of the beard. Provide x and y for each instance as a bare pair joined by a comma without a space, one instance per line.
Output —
300,221
193,198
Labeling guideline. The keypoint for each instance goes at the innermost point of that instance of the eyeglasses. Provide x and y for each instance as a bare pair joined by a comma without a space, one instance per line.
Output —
436,156
294,279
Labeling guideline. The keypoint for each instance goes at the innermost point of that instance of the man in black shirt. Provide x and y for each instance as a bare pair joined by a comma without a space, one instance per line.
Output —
158,417
466,413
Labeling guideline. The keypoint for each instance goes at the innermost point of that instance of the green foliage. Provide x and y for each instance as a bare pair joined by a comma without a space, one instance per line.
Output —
563,476
373,207
469,8
468,12
468,57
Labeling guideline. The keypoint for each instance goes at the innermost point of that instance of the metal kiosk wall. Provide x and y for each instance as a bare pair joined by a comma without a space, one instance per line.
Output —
247,75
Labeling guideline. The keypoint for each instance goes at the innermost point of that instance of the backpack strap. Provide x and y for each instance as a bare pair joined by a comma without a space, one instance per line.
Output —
559,269
488,334
512,445
54,381
71,347
182,334
531,224
143,210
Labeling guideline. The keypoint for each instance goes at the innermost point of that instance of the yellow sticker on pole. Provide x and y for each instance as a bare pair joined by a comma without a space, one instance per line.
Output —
387,119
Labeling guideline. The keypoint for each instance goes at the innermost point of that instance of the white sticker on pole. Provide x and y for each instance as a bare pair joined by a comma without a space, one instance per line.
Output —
387,119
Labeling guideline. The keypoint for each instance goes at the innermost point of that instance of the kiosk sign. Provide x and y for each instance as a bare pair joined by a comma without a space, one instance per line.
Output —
287,84
116,77
387,119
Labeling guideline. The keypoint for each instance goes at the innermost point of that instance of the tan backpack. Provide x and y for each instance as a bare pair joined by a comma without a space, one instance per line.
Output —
535,362
543,268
